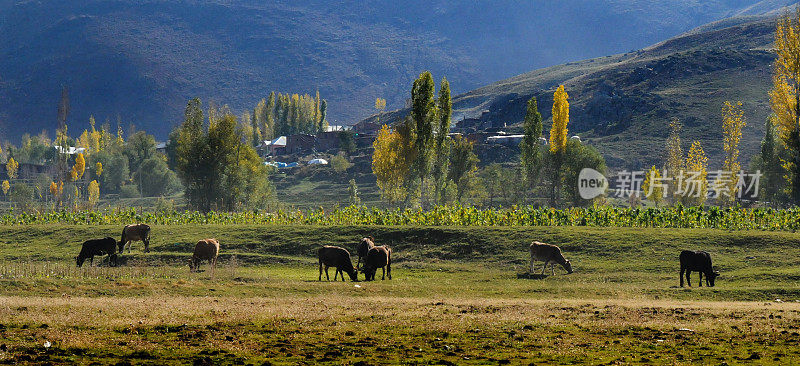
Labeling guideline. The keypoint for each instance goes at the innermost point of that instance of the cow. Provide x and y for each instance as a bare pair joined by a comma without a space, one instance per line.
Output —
363,248
549,254
205,250
91,248
698,261
331,256
137,232
378,257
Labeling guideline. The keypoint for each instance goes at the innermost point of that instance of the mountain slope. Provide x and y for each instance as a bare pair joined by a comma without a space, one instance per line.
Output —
142,59
622,104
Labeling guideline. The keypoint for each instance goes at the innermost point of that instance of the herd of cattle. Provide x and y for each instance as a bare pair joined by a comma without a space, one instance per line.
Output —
373,256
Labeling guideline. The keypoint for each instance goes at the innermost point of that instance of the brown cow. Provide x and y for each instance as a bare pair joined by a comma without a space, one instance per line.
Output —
378,257
363,248
205,250
138,232
549,254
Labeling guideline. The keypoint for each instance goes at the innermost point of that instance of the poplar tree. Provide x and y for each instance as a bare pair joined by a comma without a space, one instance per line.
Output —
697,169
530,154
733,122
423,115
785,94
442,147
675,162
558,139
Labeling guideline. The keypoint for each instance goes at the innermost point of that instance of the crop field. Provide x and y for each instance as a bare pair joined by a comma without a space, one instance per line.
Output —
455,298
768,219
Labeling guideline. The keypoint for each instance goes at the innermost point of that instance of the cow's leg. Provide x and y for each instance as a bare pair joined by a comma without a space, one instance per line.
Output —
701,279
336,274
389,270
688,278
530,266
91,261
544,268
358,263
327,276
147,245
320,270
552,269
383,277
681,276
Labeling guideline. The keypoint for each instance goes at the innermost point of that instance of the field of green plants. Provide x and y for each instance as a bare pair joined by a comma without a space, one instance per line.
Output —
602,216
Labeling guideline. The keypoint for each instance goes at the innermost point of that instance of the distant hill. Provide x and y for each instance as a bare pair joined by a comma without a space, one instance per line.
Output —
623,103
142,59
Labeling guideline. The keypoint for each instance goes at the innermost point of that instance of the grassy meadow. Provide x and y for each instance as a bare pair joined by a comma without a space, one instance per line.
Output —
455,298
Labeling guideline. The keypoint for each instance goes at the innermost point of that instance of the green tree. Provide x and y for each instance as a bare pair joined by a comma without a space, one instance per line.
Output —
156,178
347,142
423,115
773,183
463,166
340,163
115,170
578,156
442,141
139,148
530,153
218,170
323,115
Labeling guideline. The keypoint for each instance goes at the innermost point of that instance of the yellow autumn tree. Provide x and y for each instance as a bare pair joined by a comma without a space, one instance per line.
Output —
98,169
390,163
11,168
656,194
80,166
675,161
558,141
733,122
785,93
558,132
696,183
94,193
6,187
53,189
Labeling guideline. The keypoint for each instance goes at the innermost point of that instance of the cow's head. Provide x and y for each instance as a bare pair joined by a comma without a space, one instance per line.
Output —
710,277
568,266
79,261
353,275
121,246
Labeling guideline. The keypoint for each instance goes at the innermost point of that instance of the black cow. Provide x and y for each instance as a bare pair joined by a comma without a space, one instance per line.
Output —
698,261
91,248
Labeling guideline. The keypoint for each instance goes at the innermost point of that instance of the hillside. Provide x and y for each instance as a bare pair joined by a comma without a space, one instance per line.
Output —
623,103
141,60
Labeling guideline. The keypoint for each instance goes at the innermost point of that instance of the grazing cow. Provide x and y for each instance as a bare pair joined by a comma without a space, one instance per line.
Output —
363,248
205,250
378,257
698,261
91,248
138,232
549,254
331,256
